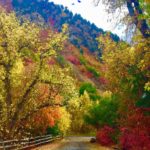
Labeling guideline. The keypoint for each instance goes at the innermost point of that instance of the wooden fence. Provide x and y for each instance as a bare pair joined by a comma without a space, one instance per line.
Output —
27,143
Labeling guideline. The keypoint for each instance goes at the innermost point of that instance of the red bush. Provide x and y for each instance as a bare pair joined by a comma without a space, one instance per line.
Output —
102,80
136,133
104,136
135,139
73,60
89,74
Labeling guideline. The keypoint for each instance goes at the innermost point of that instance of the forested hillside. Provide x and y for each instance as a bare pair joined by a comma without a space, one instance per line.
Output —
81,31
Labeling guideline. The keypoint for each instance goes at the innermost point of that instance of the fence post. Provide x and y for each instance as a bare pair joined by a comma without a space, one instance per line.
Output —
29,141
4,146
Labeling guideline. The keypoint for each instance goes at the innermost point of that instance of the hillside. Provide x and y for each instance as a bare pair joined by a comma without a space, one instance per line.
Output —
82,32
81,51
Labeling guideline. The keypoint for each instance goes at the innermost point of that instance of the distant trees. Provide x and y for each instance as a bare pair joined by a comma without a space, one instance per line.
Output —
81,31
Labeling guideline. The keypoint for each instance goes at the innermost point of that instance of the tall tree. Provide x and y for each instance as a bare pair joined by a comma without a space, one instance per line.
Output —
136,9
24,53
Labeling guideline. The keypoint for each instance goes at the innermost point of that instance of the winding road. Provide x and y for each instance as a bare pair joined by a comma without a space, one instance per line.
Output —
72,143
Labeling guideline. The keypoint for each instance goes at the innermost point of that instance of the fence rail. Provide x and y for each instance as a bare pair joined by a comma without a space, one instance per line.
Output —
27,143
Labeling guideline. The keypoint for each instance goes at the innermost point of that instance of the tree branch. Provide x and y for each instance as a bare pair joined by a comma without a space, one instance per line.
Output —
31,113
2,64
22,101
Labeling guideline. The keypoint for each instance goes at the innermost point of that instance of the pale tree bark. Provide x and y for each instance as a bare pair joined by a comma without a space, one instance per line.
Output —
135,11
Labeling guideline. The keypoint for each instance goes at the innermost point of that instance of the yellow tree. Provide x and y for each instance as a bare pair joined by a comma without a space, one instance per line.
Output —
127,69
24,53
77,108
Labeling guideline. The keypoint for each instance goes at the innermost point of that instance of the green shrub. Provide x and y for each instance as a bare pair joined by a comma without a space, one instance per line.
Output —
90,89
104,113
53,130
82,60
93,71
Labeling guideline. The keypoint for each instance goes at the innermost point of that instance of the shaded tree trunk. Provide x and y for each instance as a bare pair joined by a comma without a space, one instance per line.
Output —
134,11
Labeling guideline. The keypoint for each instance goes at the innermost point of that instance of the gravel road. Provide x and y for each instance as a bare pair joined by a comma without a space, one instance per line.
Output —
72,143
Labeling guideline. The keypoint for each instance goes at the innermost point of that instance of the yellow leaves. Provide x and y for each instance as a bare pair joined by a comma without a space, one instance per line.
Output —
65,31
18,67
107,94
85,101
8,22
132,51
147,86
52,52
64,121
17,72
125,64
2,73
78,107
74,105
31,82
142,64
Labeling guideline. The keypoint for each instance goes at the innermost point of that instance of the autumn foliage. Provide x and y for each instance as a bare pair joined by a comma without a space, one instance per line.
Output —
48,85
104,136
135,132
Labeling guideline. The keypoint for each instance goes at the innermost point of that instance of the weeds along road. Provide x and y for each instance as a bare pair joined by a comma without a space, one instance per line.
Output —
72,143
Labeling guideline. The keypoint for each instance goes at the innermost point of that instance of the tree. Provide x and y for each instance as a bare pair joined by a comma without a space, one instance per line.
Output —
138,11
77,108
103,113
90,89
127,72
24,52
64,123
127,66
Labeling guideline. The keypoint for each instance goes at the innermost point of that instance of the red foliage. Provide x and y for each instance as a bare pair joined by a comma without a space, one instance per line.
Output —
6,4
102,80
51,21
135,139
136,133
73,60
45,118
89,74
28,61
43,35
51,61
104,136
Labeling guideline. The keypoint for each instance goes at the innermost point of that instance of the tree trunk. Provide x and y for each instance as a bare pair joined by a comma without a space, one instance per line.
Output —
134,11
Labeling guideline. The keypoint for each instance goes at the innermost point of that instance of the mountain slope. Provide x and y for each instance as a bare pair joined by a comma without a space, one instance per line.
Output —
82,32
78,52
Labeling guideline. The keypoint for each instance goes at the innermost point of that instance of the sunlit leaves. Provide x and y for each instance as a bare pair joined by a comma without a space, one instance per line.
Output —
27,82
64,122
127,70
78,107
126,66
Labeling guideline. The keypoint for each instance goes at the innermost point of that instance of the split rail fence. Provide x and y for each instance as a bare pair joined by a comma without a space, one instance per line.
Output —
27,143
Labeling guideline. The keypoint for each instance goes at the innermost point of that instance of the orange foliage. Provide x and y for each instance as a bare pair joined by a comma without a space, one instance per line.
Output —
45,118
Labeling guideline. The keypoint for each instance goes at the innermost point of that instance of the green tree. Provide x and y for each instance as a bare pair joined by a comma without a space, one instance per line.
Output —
103,113
90,89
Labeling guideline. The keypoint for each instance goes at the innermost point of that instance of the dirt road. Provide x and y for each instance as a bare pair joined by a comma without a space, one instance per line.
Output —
72,143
